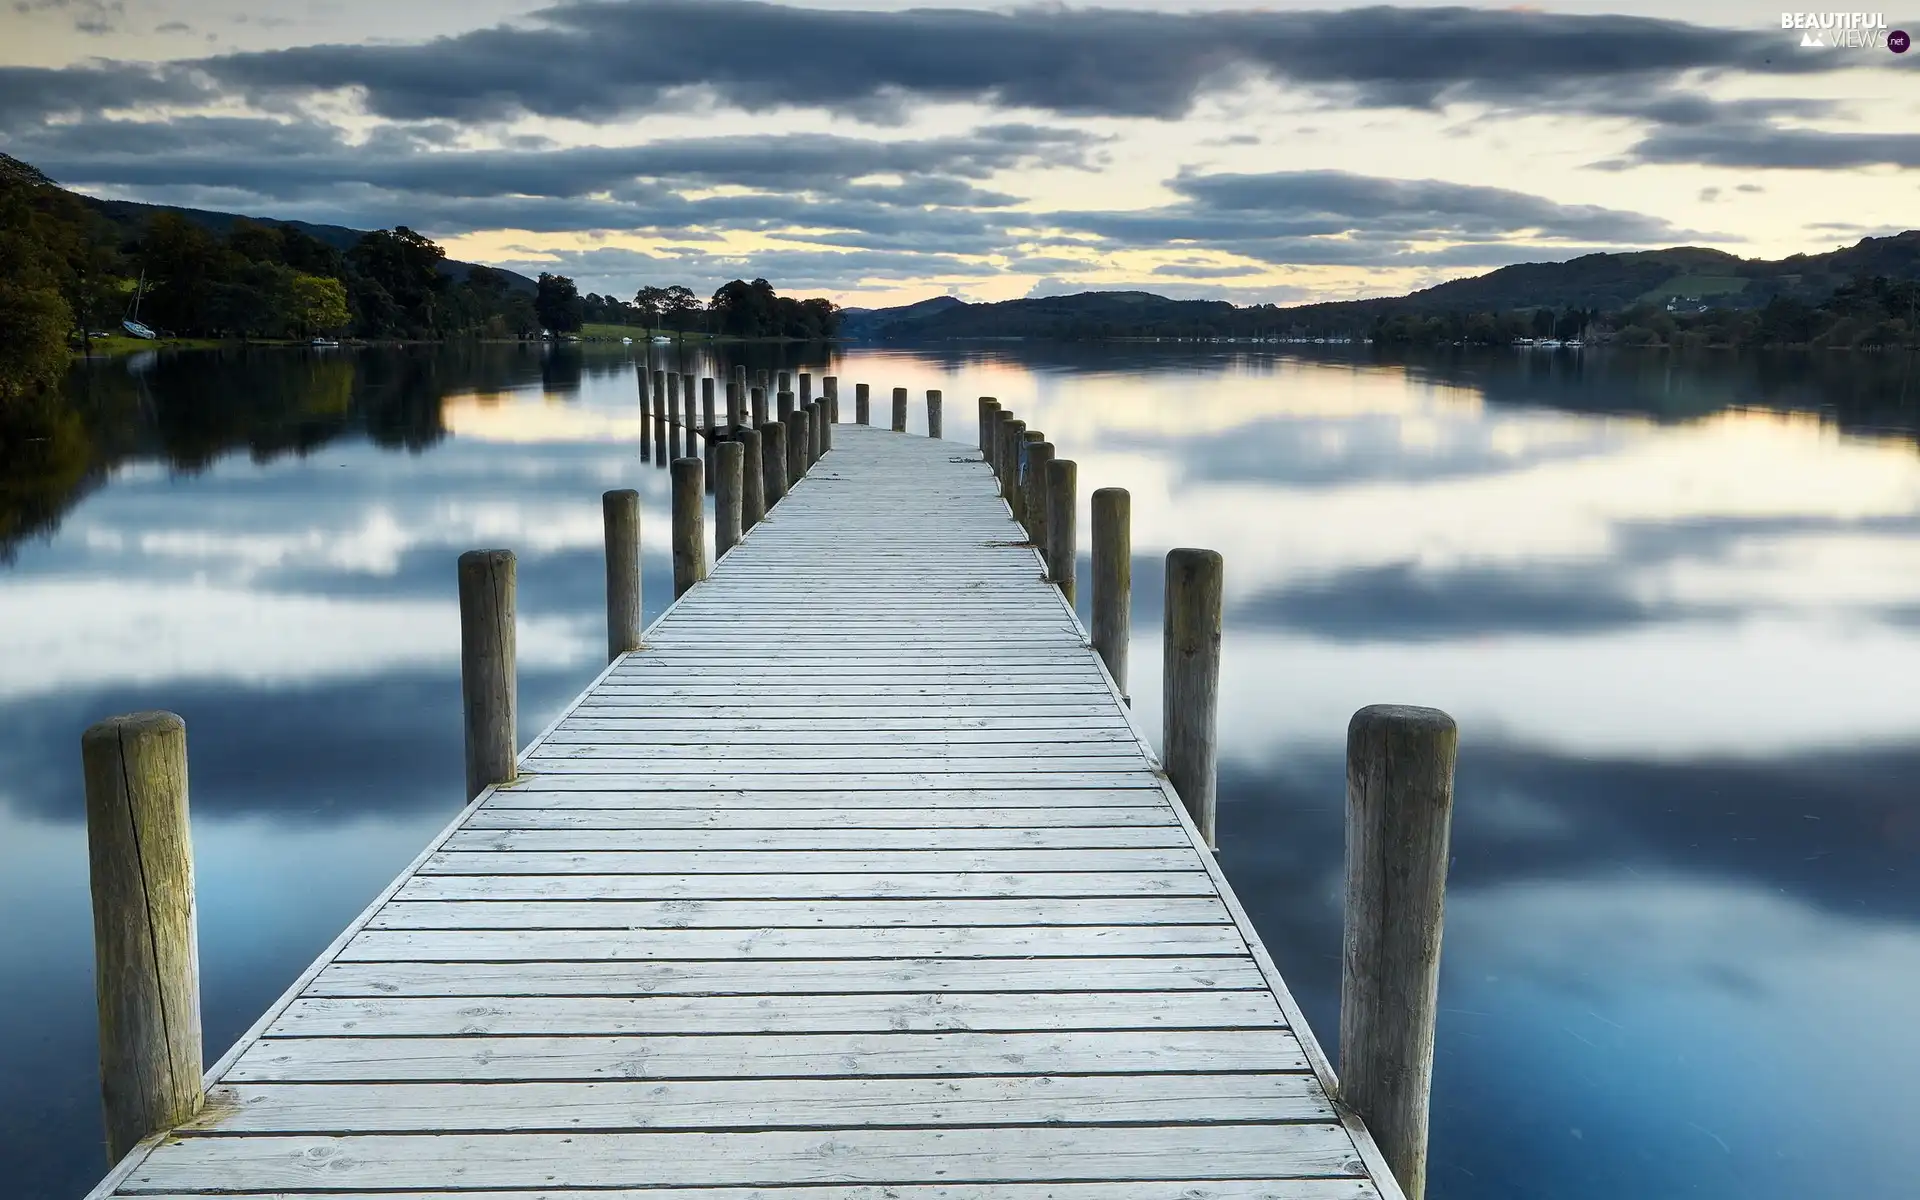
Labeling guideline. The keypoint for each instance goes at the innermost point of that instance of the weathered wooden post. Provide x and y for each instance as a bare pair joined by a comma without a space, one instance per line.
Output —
673,414
1399,810
830,389
773,461
1063,477
806,388
1191,680
689,525
899,410
786,381
798,439
784,404
737,398
862,408
1013,435
1022,489
1113,580
145,948
729,470
827,405
812,409
488,689
687,390
933,413
988,408
753,480
687,425
1034,502
759,405
646,422
707,440
660,393
996,438
620,513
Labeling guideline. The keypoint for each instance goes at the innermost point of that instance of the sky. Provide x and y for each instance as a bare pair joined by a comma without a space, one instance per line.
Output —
882,153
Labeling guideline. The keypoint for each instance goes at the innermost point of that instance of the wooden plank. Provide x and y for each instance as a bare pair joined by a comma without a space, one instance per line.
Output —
765,1056
556,793
746,977
719,1105
931,760
611,945
666,1159
1172,1189
812,862
913,1012
807,839
958,715
897,886
636,815
647,746
497,913
716,781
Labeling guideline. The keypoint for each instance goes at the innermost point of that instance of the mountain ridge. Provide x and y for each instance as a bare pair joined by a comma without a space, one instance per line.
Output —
1688,276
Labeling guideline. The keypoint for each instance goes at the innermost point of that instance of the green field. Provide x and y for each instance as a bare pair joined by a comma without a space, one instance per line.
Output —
613,333
1695,285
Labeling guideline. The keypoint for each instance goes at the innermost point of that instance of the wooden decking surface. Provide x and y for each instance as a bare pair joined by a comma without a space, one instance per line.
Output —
857,882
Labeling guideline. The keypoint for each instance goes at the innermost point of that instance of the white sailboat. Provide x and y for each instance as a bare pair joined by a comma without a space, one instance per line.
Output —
131,322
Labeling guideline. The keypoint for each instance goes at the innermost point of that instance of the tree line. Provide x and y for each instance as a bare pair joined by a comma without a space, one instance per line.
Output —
736,309
68,271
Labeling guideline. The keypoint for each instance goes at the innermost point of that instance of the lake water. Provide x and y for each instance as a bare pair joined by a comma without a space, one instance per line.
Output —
1674,605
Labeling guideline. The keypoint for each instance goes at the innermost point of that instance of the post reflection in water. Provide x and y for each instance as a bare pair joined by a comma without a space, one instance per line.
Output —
1673,603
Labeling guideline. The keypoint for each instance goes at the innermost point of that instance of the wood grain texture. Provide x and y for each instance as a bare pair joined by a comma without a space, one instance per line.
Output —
146,949
1190,674
689,525
488,688
620,514
1113,580
1399,813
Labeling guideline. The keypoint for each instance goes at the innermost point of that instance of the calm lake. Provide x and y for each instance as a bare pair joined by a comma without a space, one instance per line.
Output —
1674,605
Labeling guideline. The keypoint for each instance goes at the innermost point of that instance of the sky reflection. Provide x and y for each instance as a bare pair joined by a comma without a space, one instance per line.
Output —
1675,606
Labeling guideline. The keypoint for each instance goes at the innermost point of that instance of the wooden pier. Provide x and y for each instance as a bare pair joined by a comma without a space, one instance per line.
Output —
858,880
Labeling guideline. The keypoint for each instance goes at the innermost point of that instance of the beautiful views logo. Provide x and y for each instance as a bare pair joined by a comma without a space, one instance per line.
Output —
1844,31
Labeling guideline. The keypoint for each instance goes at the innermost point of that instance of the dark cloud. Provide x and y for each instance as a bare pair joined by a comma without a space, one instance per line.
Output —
1754,145
1335,217
600,59
32,95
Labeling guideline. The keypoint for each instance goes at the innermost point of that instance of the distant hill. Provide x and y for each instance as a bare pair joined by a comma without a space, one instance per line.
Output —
1691,275
131,216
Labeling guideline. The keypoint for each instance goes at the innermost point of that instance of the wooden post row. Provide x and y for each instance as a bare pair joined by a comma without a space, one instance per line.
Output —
1399,812
1034,502
489,693
1012,439
773,462
1191,680
689,525
797,445
729,482
620,514
145,943
1061,551
1113,580
753,490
